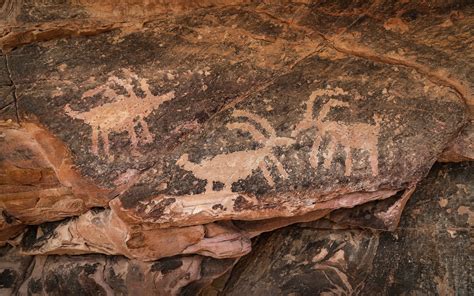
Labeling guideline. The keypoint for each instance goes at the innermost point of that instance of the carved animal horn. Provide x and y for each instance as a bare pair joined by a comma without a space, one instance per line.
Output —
70,112
260,120
307,120
125,83
246,127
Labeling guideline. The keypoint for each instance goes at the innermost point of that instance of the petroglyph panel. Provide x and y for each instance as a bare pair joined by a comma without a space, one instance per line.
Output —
252,117
320,137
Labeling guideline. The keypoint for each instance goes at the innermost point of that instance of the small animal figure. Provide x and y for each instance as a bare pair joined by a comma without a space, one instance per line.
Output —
349,135
232,167
123,114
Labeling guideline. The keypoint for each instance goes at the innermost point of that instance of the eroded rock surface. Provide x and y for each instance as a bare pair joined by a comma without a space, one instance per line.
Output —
104,275
237,132
427,254
103,232
152,129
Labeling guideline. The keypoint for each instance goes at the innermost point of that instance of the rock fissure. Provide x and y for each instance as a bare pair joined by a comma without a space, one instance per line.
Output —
366,53
13,90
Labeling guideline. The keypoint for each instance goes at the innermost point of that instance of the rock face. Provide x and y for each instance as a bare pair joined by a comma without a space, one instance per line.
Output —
151,129
104,275
427,254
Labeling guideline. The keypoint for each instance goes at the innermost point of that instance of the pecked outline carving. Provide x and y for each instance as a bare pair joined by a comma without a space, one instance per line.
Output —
123,114
349,135
231,167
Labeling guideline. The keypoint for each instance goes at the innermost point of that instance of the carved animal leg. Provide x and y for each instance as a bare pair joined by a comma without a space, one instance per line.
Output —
329,154
374,161
146,131
266,174
313,157
348,162
209,186
279,166
95,141
105,138
133,137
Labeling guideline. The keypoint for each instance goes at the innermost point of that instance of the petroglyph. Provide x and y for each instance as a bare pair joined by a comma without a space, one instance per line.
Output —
349,135
123,114
350,247
231,167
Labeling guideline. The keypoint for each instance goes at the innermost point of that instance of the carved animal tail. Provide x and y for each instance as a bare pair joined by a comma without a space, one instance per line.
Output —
72,113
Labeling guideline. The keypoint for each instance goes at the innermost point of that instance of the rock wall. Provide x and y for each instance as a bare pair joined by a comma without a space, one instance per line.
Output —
426,255
132,132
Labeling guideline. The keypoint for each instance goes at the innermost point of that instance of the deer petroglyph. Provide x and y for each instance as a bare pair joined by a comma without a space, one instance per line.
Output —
232,167
123,114
349,135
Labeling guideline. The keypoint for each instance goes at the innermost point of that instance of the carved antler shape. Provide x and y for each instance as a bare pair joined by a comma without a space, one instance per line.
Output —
258,119
126,83
247,127
308,121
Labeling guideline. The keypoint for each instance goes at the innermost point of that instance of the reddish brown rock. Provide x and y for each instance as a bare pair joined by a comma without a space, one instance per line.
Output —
104,275
9,227
427,254
462,148
38,182
242,133
103,232
196,125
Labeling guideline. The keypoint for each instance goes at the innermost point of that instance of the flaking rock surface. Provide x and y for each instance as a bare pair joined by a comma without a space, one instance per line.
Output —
429,253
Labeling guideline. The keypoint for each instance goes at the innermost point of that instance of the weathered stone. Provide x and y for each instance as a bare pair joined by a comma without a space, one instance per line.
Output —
322,93
194,126
462,149
302,173
322,86
37,180
7,99
104,275
428,254
103,232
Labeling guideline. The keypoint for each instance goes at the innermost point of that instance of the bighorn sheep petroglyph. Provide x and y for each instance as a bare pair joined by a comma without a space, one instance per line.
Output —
349,135
123,113
231,167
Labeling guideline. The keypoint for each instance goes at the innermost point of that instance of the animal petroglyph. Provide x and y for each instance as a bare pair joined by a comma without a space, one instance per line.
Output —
231,167
349,135
123,114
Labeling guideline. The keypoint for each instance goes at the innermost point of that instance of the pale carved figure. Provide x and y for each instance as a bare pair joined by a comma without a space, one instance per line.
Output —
123,114
347,263
349,135
232,167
